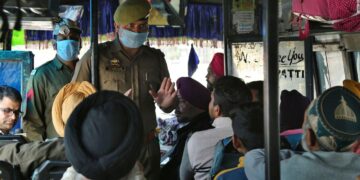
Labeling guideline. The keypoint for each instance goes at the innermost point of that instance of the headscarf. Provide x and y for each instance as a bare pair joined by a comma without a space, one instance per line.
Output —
65,102
217,64
193,92
335,119
104,136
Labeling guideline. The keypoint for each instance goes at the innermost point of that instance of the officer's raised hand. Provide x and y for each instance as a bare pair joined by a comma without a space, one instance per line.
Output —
165,97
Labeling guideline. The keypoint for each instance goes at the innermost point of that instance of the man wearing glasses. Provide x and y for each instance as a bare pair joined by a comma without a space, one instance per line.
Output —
10,101
46,80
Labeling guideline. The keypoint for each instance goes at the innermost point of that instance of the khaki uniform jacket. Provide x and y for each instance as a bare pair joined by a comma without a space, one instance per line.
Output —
43,86
29,156
120,73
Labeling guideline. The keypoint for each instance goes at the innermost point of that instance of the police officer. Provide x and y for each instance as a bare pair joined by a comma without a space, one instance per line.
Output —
46,80
125,63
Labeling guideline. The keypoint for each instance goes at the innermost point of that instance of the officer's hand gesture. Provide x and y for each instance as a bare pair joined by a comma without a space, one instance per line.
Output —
166,95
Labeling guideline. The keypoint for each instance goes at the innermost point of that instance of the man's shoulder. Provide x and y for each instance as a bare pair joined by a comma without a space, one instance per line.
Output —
149,49
199,136
43,69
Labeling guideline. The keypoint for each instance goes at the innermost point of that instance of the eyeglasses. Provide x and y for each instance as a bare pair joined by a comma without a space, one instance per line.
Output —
10,112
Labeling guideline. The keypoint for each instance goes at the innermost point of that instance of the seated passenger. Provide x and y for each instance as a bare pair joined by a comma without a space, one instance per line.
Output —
27,156
257,91
292,109
192,110
198,154
248,127
102,138
215,70
10,103
331,126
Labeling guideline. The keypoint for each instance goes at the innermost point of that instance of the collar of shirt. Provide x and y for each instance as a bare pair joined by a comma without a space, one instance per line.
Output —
57,63
221,122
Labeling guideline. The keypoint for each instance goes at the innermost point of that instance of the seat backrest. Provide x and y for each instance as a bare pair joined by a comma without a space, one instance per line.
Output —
225,157
8,171
7,139
50,169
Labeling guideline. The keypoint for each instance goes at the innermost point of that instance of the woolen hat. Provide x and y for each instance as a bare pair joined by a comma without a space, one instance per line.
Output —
292,108
131,11
193,92
217,64
335,119
104,136
65,102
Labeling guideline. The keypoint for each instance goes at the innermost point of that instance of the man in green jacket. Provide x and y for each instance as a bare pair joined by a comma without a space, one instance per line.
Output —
46,80
126,64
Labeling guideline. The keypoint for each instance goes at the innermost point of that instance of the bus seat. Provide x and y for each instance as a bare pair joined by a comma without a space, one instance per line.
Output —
8,171
50,169
7,139
293,137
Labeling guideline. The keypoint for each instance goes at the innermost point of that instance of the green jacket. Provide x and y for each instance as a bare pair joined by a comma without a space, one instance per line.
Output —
120,73
29,156
44,84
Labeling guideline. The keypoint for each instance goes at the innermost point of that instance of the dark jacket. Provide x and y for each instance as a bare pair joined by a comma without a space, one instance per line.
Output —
199,123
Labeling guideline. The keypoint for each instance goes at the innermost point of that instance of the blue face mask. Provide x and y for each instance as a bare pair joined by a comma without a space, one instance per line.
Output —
68,50
132,39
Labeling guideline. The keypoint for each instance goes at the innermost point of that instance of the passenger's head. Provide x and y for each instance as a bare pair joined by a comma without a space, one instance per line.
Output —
257,92
292,108
215,70
66,101
193,99
248,127
228,92
10,103
104,136
332,121
67,40
131,22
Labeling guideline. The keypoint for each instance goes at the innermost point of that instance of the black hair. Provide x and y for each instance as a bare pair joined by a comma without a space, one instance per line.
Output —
10,92
230,91
258,86
248,124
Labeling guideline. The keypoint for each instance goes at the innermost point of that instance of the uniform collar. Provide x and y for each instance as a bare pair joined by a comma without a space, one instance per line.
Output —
58,64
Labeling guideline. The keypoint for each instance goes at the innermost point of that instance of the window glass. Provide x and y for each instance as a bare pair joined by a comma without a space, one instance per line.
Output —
357,64
330,68
248,63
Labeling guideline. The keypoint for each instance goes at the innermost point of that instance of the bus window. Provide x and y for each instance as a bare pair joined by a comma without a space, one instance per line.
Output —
357,64
247,58
330,69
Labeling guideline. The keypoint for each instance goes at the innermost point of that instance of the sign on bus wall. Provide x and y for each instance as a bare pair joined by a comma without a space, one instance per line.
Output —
248,62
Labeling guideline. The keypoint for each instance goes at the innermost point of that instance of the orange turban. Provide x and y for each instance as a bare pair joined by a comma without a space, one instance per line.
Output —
66,100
